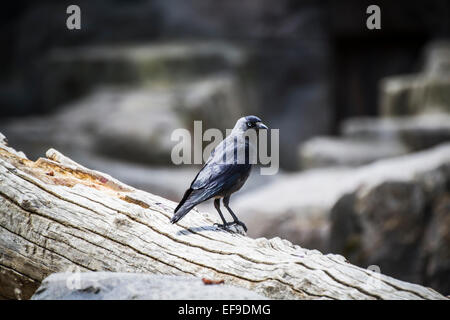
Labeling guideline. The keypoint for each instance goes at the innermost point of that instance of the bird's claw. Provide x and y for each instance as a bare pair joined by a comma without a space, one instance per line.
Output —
241,224
227,224
224,225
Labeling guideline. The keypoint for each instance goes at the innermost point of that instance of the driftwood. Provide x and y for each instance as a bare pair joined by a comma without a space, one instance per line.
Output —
56,215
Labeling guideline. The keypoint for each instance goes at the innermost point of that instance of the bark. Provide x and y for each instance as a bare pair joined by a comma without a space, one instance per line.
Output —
56,215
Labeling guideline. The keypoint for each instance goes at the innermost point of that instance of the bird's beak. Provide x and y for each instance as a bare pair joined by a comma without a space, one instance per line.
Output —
261,125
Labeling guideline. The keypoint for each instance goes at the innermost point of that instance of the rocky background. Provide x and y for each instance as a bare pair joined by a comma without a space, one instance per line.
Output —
363,115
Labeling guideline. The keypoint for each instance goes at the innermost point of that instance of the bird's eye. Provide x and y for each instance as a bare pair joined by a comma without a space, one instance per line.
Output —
249,124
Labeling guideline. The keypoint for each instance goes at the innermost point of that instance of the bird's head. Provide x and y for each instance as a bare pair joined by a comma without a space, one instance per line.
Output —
249,123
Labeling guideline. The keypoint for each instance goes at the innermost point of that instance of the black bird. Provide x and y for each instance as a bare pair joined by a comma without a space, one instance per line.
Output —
224,173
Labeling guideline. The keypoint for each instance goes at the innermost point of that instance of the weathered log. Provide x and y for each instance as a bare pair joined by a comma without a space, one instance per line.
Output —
56,215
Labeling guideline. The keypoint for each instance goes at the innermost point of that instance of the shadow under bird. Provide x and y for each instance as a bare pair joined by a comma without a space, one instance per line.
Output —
225,172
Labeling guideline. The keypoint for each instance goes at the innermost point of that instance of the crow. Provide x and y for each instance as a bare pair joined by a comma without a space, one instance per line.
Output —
223,173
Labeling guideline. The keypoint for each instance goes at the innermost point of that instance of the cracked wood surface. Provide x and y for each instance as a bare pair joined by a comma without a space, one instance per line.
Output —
56,215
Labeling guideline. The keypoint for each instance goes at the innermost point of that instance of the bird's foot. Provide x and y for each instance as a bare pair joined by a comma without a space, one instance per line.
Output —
224,225
227,225
241,224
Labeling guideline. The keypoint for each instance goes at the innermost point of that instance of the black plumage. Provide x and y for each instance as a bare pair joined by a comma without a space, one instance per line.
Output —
222,174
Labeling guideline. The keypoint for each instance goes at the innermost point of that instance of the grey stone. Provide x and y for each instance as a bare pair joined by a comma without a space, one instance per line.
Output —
436,246
135,286
437,58
129,124
297,206
414,94
294,206
132,124
306,114
70,73
398,224
329,151
415,132
216,100
422,92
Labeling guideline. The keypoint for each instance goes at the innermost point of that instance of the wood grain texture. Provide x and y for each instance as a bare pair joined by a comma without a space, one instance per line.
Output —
56,215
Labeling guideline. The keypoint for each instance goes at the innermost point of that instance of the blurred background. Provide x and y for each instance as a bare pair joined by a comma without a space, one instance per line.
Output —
363,114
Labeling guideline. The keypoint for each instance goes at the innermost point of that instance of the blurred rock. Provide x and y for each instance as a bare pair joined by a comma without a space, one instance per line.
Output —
423,92
216,100
306,113
406,95
297,206
438,58
216,82
135,97
135,286
398,219
131,124
294,46
127,132
276,54
127,124
416,132
327,151
70,73
436,246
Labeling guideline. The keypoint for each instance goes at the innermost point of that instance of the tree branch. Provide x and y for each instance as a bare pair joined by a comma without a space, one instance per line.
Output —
55,214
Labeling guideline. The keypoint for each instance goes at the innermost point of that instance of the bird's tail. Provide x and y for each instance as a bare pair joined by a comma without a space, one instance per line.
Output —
181,213
190,199
185,205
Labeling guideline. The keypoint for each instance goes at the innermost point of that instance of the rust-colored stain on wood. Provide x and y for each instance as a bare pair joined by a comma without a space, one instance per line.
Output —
135,201
52,172
209,281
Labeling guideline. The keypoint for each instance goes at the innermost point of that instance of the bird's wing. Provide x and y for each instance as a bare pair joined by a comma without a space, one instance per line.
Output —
216,171
216,180
213,175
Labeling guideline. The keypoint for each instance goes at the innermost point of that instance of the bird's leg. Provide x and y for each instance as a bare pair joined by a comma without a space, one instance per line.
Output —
217,206
226,201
